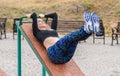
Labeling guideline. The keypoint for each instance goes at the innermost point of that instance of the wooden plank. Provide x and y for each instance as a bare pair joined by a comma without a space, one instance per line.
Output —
67,69
64,25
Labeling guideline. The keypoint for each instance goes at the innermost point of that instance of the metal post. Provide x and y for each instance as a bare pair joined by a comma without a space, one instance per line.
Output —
93,38
43,71
19,51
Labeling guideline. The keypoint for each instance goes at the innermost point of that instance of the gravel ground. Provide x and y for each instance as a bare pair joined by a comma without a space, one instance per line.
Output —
93,59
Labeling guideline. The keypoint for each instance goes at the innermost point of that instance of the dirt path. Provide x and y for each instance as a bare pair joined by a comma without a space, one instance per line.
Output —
93,59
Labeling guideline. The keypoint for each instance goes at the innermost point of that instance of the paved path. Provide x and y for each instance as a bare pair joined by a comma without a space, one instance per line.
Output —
93,59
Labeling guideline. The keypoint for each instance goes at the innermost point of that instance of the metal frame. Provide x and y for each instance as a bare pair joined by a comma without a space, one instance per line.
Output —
19,33
101,36
115,33
3,27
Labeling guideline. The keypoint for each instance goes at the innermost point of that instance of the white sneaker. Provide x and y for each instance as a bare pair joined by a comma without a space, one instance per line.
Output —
96,22
88,27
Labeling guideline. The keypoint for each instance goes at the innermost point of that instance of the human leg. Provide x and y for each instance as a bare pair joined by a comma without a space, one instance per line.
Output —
63,50
59,54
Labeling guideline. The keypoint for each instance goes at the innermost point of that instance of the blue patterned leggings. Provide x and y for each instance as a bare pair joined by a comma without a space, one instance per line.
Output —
63,50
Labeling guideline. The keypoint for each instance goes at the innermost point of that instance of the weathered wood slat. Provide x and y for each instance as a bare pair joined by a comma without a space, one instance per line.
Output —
67,26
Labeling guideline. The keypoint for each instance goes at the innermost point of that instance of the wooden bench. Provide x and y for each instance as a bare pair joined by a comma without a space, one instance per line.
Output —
67,26
67,69
3,27
15,27
102,36
2,73
115,33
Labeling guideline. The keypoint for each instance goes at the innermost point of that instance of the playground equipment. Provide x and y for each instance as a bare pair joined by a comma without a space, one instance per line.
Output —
68,69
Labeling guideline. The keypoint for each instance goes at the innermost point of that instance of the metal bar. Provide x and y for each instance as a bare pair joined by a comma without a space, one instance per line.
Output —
19,51
43,71
21,19
20,32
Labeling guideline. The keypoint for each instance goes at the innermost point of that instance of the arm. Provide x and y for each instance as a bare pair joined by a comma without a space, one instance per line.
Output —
54,19
34,24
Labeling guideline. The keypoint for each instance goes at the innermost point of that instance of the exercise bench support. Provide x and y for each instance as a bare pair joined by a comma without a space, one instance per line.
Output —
68,69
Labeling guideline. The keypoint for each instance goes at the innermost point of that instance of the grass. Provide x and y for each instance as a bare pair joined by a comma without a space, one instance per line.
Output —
108,10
